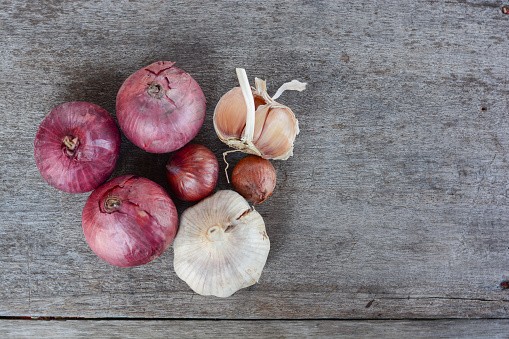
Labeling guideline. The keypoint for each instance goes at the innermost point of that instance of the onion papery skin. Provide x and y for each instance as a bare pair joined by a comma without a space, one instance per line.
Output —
254,178
160,108
96,147
129,221
192,172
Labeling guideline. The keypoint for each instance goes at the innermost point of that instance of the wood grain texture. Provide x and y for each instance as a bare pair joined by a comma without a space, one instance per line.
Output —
395,204
491,329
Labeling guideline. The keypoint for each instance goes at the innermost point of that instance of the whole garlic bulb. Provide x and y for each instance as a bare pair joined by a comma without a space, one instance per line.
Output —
221,245
251,121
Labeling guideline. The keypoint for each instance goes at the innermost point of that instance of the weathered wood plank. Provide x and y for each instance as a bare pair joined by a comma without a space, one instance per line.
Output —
395,204
254,329
256,304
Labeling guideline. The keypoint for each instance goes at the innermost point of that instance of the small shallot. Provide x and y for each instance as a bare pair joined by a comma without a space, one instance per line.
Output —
254,178
192,172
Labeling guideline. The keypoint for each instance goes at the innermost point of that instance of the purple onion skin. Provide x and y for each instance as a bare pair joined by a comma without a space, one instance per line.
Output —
160,108
76,147
192,172
129,221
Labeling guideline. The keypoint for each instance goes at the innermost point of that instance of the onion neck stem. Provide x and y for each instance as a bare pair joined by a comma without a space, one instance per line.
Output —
70,143
111,204
249,99
155,90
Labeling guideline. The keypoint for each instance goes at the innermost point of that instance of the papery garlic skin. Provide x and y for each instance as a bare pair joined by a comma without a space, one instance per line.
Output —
275,125
221,245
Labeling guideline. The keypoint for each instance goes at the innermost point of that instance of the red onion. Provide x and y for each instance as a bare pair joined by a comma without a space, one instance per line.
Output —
254,178
160,108
192,172
129,221
77,146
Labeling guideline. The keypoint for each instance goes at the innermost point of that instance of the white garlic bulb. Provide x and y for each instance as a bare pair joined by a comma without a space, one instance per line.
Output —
221,245
251,121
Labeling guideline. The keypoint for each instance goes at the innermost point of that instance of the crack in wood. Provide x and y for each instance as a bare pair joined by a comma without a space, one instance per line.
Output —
444,298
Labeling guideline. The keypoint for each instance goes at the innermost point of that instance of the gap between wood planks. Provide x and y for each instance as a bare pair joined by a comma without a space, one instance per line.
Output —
43,318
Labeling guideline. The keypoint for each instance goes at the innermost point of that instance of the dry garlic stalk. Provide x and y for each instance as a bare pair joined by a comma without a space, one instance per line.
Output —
221,245
251,121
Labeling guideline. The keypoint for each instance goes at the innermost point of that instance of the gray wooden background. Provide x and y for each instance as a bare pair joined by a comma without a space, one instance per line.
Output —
394,206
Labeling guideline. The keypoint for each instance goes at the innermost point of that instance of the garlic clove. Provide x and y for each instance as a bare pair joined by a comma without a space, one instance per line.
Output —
278,135
258,100
260,118
221,245
230,115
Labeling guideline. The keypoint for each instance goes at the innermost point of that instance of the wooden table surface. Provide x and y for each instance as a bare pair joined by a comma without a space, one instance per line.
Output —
391,219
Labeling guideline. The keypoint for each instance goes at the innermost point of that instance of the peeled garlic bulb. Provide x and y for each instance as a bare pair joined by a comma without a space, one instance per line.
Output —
221,245
249,120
